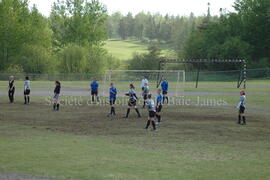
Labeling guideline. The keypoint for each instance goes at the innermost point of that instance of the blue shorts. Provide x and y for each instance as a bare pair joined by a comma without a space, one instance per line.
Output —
56,96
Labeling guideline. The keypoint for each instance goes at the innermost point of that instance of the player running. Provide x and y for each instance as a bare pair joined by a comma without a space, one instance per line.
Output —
94,90
152,112
165,88
159,101
132,101
242,106
145,93
27,90
113,93
56,102
11,89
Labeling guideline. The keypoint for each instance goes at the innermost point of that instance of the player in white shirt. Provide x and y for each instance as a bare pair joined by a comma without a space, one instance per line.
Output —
132,101
26,91
145,93
150,104
144,81
242,106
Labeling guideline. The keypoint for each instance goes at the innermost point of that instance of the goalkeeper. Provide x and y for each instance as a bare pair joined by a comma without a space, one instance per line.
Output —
165,88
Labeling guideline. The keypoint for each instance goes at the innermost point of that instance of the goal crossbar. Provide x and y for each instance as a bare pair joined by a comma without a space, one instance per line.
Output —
110,71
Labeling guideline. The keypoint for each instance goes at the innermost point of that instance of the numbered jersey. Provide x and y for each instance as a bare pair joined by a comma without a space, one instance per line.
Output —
132,94
150,104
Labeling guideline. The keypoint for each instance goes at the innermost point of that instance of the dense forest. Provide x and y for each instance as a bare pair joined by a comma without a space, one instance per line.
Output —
71,39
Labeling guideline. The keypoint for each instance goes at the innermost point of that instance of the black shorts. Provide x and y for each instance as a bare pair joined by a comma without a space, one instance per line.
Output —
152,114
159,107
164,92
142,88
145,96
94,93
11,91
112,101
26,92
242,109
132,102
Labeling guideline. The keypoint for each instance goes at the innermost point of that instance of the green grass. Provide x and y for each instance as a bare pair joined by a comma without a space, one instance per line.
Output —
124,50
258,94
194,142
80,143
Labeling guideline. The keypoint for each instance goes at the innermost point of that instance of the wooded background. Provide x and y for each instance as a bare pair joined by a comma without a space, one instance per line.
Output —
72,38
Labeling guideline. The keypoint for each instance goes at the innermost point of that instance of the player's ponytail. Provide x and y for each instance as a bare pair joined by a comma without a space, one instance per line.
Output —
132,86
58,83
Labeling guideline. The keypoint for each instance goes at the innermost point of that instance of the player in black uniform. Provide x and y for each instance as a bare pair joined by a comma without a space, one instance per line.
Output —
57,90
132,101
11,89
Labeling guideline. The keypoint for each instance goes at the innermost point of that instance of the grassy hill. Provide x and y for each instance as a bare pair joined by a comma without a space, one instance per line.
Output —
124,50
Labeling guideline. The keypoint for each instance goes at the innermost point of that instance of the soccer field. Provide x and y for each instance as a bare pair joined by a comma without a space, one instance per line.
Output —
124,50
80,142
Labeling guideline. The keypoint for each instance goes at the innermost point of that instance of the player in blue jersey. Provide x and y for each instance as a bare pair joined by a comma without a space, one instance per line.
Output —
94,90
150,104
165,88
159,101
242,106
112,97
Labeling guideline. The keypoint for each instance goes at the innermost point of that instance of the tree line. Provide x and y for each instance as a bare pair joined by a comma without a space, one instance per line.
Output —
243,34
71,39
148,27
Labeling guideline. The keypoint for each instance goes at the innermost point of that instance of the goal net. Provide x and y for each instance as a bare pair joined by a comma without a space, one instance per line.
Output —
122,79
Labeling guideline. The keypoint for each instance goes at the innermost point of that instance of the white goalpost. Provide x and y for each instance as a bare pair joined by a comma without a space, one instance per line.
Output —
122,79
